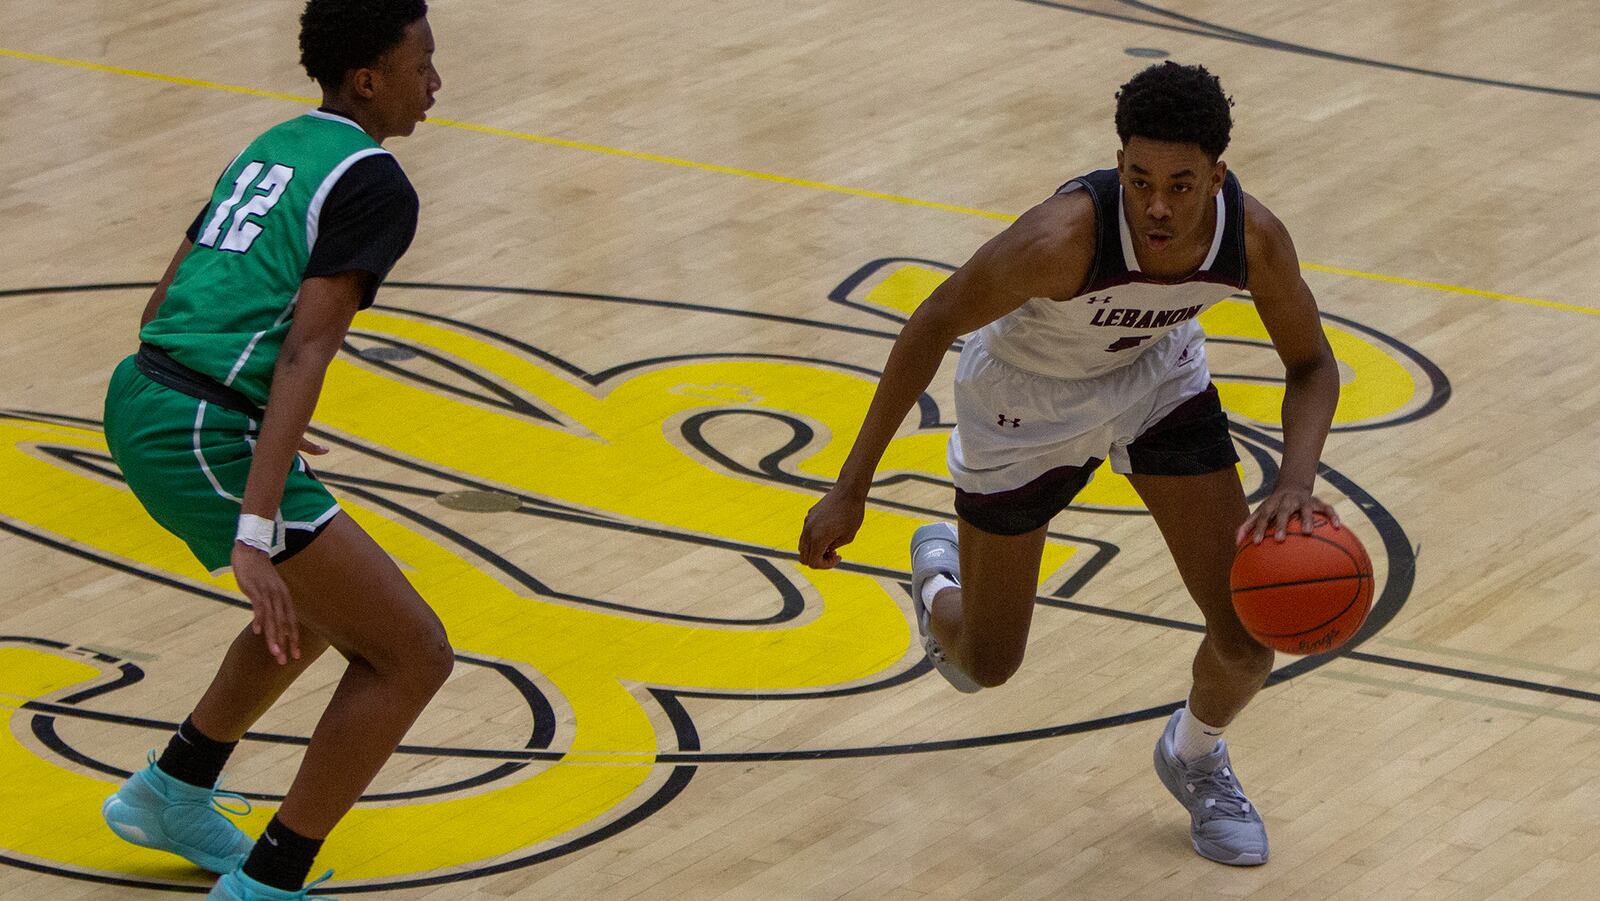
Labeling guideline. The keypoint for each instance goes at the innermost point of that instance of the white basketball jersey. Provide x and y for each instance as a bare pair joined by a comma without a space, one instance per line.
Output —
1121,313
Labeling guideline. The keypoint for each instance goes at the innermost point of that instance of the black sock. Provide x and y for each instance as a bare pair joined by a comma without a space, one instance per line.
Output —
193,758
282,857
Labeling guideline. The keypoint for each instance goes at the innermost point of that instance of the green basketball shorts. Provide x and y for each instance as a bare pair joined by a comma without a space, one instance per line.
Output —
187,460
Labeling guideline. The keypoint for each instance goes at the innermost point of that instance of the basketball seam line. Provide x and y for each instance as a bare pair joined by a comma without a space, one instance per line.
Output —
1303,582
1331,620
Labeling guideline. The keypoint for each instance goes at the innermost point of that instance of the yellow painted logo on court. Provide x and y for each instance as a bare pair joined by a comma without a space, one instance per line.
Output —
635,450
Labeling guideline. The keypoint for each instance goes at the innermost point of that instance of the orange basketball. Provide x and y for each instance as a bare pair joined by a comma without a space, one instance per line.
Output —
1306,594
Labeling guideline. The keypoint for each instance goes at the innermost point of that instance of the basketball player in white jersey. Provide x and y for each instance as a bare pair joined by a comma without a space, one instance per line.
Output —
1086,347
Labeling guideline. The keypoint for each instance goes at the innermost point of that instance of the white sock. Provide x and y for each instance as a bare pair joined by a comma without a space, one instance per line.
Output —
1193,739
932,587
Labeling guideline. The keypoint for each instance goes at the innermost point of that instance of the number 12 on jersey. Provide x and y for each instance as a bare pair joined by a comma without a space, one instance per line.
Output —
242,232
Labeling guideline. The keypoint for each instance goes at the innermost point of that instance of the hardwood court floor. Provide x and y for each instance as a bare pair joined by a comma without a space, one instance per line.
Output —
664,249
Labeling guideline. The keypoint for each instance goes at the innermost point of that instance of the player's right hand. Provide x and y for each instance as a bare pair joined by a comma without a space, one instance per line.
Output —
830,524
273,611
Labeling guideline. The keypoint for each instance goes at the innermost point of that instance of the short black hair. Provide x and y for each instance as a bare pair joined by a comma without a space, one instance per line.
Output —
339,35
1169,102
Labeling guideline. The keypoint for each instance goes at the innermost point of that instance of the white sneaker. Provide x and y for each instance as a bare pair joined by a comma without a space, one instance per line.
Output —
935,550
1223,825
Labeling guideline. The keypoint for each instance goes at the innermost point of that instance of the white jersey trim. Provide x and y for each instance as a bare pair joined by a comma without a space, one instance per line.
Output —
255,339
199,454
335,117
1132,260
314,524
314,210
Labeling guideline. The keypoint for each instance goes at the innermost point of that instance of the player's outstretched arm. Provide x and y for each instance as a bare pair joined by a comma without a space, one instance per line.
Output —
1289,311
322,317
1045,253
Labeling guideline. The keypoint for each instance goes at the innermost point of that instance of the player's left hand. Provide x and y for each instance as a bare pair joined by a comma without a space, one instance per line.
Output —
1275,512
307,446
271,606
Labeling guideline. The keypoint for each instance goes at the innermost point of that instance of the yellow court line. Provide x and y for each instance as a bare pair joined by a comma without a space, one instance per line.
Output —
152,76
763,176
720,170
527,136
1453,289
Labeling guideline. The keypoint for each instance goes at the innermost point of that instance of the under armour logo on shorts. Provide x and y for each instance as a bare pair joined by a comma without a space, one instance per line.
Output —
1015,423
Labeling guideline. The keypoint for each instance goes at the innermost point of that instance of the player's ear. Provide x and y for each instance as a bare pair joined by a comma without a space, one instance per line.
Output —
362,83
1218,172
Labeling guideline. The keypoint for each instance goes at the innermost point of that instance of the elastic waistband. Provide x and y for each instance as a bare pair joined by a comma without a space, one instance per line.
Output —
159,366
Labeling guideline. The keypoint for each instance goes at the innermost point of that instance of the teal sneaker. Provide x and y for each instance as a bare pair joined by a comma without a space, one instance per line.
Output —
1223,825
154,810
236,886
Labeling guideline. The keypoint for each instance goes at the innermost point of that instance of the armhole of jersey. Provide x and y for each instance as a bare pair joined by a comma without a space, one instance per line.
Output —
1235,200
1082,183
314,210
1231,253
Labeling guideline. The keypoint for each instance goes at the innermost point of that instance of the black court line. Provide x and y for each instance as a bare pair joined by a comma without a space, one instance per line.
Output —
692,754
689,753
1201,28
1399,551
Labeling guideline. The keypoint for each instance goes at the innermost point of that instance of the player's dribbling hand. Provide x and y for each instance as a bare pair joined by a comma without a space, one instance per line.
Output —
1275,512
272,611
830,524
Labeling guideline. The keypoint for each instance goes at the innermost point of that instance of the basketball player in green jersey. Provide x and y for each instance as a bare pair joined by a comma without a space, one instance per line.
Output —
206,421
1084,347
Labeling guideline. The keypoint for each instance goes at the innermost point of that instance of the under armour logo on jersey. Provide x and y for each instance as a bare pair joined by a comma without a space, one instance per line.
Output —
1095,298
1015,423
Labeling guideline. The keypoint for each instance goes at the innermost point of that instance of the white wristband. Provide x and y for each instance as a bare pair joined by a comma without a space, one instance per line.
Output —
256,531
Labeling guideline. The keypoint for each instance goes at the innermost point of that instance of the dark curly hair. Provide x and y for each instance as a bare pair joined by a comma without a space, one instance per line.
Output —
1169,102
339,35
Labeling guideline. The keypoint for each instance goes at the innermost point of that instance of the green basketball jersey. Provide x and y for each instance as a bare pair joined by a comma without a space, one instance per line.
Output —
228,308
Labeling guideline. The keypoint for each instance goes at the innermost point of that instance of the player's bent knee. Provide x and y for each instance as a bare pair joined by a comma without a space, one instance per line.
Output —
994,667
418,658
434,661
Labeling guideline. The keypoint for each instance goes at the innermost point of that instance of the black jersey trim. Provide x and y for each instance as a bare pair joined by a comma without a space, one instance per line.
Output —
1230,261
1110,268
1139,278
